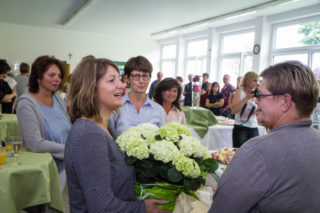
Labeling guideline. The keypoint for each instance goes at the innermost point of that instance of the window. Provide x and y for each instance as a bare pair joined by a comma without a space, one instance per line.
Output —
236,55
196,57
297,40
168,60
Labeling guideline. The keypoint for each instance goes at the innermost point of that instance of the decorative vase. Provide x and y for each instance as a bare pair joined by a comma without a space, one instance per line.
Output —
196,89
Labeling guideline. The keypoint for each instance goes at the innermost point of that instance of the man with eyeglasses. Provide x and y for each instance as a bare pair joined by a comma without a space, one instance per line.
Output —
137,107
280,171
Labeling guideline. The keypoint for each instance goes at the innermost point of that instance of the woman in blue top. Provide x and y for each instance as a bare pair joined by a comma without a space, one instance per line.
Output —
43,122
215,99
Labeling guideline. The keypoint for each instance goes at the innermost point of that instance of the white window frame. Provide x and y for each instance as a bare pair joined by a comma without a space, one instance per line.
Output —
169,59
187,58
310,49
240,55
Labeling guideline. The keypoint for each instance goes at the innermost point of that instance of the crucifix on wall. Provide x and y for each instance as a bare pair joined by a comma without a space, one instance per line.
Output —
70,56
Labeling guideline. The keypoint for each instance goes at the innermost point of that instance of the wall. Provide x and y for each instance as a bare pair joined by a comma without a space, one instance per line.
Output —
24,43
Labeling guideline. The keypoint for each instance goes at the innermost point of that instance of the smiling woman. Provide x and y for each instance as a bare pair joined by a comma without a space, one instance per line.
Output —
43,122
99,180
167,94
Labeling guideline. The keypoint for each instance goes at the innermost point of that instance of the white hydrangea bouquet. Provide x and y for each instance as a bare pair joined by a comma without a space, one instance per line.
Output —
168,161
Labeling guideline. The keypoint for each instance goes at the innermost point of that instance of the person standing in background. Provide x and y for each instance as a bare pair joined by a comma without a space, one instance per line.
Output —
215,100
154,84
22,79
41,112
7,95
167,94
226,90
244,107
180,81
204,86
188,92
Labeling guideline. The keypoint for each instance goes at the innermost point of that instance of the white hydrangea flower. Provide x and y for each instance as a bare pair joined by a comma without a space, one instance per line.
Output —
187,166
163,150
190,146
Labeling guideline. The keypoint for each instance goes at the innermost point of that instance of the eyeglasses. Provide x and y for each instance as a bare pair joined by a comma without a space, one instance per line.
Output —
137,77
258,95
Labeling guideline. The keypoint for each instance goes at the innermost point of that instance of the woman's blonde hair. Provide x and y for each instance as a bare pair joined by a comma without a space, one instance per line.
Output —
248,77
83,86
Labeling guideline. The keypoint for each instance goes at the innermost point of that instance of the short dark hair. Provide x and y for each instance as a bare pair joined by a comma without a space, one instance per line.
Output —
138,63
4,67
179,78
39,67
205,74
164,85
296,79
24,68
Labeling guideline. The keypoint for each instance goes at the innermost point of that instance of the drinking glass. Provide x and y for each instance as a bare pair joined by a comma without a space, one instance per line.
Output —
13,145
16,147
2,156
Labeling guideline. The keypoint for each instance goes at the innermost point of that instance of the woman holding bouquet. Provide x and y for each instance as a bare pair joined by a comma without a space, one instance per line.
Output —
167,94
99,180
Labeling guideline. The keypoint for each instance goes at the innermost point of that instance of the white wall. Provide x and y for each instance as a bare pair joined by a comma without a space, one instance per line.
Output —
20,43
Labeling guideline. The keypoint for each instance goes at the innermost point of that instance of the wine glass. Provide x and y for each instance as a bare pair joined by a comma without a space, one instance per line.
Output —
16,146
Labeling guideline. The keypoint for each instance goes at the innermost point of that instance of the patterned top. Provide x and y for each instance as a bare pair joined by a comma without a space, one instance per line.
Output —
98,178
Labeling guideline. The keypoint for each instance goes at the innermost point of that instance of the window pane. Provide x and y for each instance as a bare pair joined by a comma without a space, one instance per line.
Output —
230,66
238,43
316,64
195,67
303,58
168,69
298,35
169,51
247,64
197,48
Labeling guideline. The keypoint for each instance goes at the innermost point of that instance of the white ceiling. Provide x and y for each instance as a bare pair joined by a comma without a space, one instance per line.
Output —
131,17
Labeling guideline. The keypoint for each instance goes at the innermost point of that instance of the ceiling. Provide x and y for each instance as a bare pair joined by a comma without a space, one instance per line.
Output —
132,17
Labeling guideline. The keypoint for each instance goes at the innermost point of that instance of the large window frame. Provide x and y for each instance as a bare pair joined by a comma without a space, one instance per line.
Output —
203,59
308,49
235,55
172,60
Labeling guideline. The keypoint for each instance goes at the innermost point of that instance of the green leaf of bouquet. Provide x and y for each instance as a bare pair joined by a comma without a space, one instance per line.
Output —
191,183
174,175
149,172
147,164
158,137
211,165
130,160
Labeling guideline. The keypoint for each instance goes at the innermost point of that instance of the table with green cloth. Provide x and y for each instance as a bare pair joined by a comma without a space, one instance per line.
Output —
35,181
8,126
199,119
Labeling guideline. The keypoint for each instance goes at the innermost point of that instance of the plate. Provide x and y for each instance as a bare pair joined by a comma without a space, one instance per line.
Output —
224,155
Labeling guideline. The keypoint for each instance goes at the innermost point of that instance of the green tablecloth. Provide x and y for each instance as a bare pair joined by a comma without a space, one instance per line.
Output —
199,119
35,181
8,126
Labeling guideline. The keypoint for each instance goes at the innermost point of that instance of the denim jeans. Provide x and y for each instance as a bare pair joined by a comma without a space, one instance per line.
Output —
241,134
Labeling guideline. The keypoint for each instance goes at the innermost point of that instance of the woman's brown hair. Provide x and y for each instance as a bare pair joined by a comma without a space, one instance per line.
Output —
83,86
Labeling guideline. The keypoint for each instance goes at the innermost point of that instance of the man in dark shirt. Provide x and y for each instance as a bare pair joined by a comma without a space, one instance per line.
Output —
154,84
188,92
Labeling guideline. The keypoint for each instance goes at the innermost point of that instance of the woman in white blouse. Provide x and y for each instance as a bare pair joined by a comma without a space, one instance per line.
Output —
167,94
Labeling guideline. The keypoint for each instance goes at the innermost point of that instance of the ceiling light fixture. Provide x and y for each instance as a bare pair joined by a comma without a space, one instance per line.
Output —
240,15
76,11
246,11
